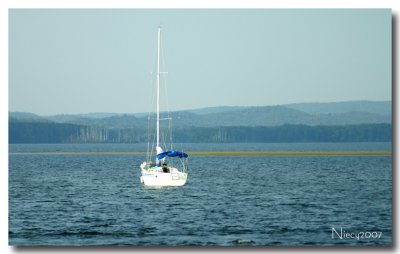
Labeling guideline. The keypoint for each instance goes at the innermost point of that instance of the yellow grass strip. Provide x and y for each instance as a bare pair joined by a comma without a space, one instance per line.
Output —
76,153
229,153
293,153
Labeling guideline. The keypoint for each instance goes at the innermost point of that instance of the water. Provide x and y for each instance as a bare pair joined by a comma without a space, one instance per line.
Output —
228,201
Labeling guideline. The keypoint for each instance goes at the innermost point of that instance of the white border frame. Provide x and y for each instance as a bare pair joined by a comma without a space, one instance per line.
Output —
7,4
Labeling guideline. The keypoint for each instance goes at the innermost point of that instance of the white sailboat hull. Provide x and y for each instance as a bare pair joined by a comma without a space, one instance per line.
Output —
162,179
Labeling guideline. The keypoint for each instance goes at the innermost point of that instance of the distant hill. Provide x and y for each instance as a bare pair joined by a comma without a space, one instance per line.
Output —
24,115
360,121
312,114
210,110
114,122
259,116
64,118
275,116
374,107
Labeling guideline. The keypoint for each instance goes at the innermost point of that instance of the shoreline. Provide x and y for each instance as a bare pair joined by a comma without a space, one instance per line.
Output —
228,153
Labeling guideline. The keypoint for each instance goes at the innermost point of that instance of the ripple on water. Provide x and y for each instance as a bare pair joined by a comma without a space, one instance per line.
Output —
228,201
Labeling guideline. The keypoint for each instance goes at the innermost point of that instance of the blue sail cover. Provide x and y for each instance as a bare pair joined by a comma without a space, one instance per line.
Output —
172,154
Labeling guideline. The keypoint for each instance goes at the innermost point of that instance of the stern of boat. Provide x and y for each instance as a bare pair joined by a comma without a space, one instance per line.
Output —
157,178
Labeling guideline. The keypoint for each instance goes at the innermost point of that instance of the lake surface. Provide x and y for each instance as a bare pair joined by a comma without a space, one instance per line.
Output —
97,199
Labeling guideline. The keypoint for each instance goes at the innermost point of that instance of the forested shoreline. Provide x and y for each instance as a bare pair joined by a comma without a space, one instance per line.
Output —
21,132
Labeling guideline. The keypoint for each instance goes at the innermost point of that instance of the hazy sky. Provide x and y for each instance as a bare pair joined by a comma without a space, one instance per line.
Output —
80,61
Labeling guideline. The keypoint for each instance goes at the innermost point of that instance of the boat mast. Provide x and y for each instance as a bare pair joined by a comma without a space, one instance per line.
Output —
158,85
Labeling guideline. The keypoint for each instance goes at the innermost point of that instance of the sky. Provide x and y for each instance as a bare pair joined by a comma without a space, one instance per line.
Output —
73,61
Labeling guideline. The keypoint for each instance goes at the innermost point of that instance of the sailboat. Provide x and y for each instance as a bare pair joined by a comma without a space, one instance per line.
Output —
163,171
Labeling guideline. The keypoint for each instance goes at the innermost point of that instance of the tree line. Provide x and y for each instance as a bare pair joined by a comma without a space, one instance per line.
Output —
50,132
